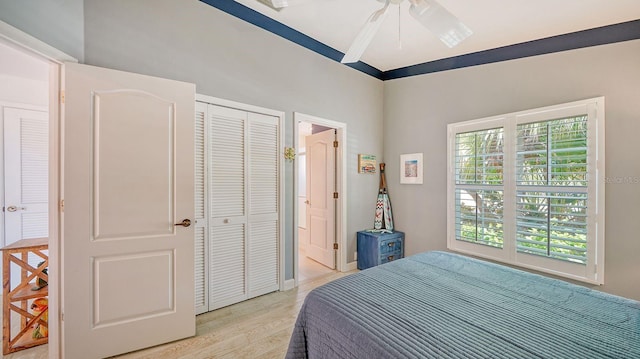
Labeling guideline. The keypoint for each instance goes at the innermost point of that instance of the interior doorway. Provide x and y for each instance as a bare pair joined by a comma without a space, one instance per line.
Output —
319,197
24,158
36,50
24,86
316,227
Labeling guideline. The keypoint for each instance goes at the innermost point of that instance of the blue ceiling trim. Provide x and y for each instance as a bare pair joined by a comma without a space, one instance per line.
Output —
593,37
251,16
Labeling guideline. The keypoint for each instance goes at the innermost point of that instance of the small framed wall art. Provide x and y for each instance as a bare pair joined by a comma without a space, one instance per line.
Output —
367,164
411,168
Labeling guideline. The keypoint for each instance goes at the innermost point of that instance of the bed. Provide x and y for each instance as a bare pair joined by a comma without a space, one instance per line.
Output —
444,305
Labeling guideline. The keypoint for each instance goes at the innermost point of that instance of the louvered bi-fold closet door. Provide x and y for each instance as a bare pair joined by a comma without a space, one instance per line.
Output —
201,256
262,263
227,206
237,205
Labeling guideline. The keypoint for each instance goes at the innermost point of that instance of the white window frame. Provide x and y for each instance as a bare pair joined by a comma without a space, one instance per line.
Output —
591,272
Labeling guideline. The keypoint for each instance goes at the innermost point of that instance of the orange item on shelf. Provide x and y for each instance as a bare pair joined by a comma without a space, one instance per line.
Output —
41,305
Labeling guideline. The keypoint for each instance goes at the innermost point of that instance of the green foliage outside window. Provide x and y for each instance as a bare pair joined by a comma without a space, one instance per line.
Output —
551,174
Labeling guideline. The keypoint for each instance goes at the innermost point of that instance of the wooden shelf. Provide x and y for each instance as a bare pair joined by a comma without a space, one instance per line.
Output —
28,293
18,300
26,341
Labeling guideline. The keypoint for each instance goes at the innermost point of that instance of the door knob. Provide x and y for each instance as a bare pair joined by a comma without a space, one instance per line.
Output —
14,208
307,201
184,223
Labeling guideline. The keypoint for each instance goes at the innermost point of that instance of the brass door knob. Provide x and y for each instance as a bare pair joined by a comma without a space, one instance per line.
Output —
184,223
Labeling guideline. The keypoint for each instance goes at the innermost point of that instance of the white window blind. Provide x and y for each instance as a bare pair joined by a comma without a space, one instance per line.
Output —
479,186
552,198
527,188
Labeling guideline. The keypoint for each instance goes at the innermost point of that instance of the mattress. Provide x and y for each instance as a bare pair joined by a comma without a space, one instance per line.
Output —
444,305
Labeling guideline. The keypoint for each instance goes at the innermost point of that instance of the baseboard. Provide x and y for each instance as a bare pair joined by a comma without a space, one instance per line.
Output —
351,266
289,284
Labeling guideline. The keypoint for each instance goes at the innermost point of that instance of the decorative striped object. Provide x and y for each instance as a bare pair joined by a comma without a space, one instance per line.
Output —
384,218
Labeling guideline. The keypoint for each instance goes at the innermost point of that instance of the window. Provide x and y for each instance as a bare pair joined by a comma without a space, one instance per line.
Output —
527,189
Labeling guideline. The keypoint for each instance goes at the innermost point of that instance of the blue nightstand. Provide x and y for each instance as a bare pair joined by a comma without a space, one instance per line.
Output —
378,248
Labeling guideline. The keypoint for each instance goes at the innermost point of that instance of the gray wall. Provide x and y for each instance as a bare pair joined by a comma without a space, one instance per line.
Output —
59,23
228,58
418,109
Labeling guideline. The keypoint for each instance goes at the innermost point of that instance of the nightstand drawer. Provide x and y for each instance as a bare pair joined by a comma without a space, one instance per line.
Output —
390,245
378,248
388,257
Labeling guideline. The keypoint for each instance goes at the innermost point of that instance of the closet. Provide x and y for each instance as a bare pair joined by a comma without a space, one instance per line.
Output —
238,203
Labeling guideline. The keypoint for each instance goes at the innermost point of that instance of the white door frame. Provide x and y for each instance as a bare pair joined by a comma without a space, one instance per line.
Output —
22,41
281,203
341,206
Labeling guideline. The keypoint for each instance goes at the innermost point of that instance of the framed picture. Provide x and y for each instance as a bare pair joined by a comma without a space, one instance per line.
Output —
367,164
411,168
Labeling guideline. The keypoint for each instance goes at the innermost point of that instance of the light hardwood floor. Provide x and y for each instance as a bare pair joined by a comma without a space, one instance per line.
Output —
257,328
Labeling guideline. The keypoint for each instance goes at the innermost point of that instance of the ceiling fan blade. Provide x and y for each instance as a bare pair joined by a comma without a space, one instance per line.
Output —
365,35
279,4
439,21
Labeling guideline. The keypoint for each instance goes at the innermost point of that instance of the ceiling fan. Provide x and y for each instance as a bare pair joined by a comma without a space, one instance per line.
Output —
429,13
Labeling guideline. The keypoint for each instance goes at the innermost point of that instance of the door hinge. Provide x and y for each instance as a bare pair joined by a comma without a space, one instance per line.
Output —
61,205
335,246
335,144
335,195
62,96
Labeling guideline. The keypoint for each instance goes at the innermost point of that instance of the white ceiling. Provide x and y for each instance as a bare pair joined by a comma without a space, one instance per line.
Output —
402,41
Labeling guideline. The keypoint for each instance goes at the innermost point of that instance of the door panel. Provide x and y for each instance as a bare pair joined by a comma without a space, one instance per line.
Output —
321,205
227,231
26,141
263,144
263,258
120,163
201,268
127,167
154,284
227,283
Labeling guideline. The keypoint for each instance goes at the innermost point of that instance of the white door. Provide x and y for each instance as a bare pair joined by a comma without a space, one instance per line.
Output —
321,182
26,141
127,179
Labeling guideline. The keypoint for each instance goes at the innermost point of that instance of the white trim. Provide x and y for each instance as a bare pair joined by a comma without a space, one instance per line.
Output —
351,266
24,106
281,203
593,271
241,106
289,284
12,36
16,38
296,245
341,210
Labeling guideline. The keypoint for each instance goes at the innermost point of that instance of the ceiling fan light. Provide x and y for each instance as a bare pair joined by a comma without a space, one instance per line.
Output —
439,21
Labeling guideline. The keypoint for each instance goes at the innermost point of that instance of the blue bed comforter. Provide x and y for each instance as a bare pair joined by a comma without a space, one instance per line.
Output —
443,305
